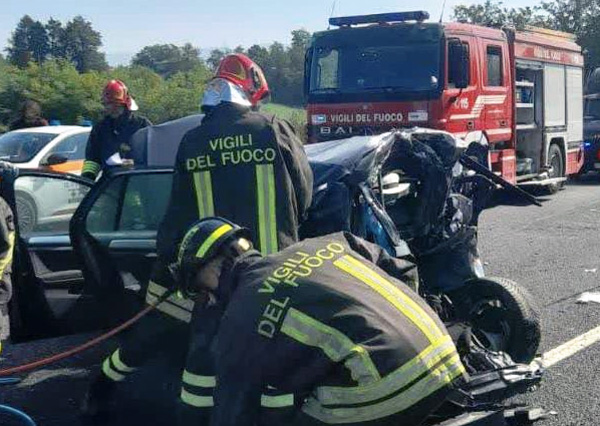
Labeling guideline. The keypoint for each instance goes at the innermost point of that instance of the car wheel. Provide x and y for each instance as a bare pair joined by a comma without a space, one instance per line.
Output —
26,212
502,316
557,164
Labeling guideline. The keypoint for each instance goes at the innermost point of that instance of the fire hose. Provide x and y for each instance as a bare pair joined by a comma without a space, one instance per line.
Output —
77,349
87,345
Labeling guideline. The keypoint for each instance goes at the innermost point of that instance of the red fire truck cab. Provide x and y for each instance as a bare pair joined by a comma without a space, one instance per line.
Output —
520,92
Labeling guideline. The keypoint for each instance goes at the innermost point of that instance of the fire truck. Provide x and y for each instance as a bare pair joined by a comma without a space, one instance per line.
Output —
518,92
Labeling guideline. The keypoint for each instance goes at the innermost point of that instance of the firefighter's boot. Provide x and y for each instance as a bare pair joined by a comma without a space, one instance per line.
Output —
96,406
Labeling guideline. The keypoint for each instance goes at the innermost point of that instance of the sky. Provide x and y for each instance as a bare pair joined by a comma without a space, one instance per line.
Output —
129,25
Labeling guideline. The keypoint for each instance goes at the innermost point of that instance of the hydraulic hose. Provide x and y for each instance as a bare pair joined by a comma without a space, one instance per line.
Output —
17,413
87,345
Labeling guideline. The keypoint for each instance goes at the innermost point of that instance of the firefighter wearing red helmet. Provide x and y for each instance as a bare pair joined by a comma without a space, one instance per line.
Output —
108,144
240,164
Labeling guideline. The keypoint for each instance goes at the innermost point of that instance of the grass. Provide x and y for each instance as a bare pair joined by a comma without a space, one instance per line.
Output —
296,116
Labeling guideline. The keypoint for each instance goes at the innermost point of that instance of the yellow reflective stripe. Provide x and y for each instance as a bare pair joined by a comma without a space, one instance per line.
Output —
91,167
9,255
196,400
278,401
184,241
336,345
391,383
436,380
199,381
110,372
120,365
169,309
392,294
207,244
158,290
266,202
204,195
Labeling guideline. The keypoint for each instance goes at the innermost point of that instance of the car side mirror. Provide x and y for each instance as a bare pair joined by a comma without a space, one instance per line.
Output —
458,54
54,159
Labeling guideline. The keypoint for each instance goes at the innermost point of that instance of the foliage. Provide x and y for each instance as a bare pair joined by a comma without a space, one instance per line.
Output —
77,42
296,116
577,17
493,14
70,96
168,59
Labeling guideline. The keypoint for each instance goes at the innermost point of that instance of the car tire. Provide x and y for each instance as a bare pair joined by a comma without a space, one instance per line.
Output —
557,162
502,315
27,214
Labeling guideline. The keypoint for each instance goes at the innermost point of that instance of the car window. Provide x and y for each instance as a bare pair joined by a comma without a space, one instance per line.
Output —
130,203
21,147
45,204
72,147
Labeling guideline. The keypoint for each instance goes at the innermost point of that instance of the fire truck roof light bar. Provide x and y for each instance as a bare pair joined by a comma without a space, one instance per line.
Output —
344,21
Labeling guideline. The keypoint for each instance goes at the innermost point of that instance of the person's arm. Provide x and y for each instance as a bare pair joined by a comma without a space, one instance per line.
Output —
93,161
403,269
178,215
297,164
7,245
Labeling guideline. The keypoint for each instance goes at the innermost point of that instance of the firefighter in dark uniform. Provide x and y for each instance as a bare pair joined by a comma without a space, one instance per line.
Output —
238,164
108,144
325,320
7,245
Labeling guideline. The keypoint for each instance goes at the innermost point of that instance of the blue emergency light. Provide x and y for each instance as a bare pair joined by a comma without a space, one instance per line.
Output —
344,21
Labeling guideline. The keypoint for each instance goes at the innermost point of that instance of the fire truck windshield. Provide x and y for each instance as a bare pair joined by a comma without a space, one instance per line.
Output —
345,62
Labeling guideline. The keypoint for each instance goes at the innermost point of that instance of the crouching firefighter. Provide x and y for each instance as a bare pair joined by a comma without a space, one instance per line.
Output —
238,164
321,320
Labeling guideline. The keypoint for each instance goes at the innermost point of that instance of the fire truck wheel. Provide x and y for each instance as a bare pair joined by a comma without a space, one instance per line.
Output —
502,316
557,163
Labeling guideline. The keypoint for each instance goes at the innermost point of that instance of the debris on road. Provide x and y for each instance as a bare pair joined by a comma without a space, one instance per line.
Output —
588,297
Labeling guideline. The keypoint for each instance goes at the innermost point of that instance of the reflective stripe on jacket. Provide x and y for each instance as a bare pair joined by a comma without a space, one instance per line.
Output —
245,166
323,319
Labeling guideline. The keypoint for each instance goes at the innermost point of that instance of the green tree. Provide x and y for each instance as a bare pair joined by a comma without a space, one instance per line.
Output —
493,14
579,17
259,54
168,59
56,39
81,44
28,42
215,57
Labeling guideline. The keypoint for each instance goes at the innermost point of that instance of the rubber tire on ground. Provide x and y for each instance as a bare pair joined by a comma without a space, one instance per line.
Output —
523,318
25,203
555,151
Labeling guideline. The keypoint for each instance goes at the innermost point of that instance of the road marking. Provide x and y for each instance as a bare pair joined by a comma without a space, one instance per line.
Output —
571,347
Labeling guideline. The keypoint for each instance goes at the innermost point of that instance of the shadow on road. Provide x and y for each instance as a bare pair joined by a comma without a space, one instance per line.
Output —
589,179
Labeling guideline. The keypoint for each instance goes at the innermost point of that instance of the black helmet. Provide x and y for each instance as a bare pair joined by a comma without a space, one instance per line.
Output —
200,244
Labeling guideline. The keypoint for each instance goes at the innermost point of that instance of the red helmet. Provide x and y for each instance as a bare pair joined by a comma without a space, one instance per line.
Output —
245,73
115,92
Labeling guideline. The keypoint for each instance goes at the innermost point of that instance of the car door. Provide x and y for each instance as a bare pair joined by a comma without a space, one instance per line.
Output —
72,148
115,230
47,274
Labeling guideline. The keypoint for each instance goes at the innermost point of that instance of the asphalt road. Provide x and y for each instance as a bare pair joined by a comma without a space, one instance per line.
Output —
552,251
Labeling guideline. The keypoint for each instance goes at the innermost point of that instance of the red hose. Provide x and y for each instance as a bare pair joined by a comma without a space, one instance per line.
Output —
91,343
